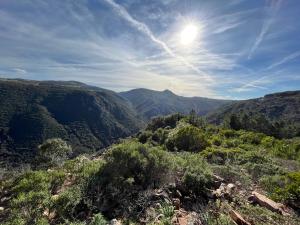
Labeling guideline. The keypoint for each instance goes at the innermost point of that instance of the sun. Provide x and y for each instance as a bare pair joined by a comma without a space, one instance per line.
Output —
189,34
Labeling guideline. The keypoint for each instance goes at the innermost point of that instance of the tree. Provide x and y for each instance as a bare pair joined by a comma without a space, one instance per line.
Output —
234,122
55,151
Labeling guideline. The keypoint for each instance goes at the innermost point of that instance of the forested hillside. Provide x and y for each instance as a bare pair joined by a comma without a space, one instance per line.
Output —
275,114
151,103
88,118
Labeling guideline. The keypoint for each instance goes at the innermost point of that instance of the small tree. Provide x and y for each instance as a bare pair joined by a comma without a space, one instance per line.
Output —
55,151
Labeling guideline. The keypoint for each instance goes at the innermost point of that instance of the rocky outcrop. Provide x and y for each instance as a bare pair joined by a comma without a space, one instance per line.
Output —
237,218
264,201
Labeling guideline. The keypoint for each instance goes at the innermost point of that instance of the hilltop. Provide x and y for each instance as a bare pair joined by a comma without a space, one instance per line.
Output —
150,103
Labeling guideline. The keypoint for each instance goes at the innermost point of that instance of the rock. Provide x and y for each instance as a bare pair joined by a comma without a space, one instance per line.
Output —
157,205
224,191
176,203
220,191
264,201
182,221
158,218
115,222
50,215
230,188
161,195
1,208
171,185
237,218
238,184
178,194
174,220
217,180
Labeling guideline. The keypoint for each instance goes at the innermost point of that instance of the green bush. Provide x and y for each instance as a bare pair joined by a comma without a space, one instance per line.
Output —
163,122
197,174
220,155
287,149
144,136
187,138
216,140
67,201
32,194
146,165
54,151
227,133
98,219
252,138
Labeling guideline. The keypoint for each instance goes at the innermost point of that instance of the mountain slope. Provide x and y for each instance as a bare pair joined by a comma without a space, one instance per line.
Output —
151,103
89,118
275,114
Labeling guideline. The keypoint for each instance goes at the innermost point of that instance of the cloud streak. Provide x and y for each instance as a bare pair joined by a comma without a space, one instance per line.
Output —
284,60
145,29
274,7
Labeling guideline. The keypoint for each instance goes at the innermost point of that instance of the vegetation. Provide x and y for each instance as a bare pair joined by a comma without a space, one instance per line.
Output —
139,179
275,115
87,118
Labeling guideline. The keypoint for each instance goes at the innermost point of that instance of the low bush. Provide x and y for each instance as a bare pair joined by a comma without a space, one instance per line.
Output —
187,138
220,155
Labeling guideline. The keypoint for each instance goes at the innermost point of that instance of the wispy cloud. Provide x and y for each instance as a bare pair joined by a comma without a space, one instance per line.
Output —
284,60
272,11
127,44
145,29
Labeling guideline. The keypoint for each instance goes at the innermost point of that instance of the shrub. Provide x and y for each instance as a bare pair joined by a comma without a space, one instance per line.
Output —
162,122
287,149
98,219
252,138
144,136
67,201
228,133
32,194
197,175
160,136
54,151
216,140
220,155
268,141
188,138
144,164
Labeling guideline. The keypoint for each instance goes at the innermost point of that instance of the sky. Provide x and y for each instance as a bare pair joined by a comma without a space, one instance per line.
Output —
240,49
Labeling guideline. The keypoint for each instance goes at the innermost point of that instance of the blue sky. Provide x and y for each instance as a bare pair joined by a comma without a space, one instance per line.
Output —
243,48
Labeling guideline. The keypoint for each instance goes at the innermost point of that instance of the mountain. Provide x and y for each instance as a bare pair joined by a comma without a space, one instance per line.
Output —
89,118
150,103
275,114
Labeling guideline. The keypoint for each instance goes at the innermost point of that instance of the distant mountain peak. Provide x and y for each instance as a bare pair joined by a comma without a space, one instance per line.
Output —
167,91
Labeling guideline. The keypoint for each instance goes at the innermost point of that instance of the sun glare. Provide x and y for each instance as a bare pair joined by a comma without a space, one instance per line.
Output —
189,34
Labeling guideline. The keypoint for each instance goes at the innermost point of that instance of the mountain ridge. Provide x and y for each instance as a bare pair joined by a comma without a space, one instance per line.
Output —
151,103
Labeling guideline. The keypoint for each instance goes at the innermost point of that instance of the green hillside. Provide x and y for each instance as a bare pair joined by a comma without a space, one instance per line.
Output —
275,114
87,117
151,103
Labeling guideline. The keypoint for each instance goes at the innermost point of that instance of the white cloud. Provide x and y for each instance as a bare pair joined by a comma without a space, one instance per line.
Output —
274,7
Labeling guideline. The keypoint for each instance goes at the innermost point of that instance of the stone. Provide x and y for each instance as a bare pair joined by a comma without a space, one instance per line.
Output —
178,194
115,222
264,201
176,203
230,188
157,205
237,218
